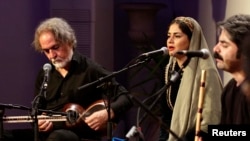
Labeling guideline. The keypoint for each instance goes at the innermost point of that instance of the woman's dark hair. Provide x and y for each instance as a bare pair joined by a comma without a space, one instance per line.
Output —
185,25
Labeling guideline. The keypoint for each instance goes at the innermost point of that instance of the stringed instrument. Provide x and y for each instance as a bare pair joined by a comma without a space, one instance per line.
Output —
75,114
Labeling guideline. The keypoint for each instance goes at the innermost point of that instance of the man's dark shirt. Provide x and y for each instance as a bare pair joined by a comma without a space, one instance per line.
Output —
63,90
235,106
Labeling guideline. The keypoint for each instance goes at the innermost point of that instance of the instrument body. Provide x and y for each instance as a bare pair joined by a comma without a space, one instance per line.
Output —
74,115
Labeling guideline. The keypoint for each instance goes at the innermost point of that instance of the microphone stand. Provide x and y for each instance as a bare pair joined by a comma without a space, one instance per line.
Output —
139,62
155,117
109,124
2,110
108,83
34,110
108,86
108,77
175,75
13,106
1,122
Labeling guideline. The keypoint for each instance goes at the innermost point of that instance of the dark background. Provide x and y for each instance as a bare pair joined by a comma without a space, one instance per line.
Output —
103,38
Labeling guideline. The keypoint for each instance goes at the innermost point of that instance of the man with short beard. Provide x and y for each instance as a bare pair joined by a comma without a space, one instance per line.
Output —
228,56
70,70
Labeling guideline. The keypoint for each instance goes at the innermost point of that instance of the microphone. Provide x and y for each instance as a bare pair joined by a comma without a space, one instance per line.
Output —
162,51
46,68
131,132
203,53
134,132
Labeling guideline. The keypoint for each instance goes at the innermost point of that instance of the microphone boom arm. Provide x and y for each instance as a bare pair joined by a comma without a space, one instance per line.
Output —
105,78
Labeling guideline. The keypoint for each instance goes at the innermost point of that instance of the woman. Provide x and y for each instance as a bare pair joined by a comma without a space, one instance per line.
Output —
180,103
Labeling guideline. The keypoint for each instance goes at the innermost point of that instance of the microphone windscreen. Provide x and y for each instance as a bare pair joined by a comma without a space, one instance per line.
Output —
47,67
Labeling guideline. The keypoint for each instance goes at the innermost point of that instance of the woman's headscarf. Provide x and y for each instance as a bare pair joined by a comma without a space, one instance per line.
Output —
186,104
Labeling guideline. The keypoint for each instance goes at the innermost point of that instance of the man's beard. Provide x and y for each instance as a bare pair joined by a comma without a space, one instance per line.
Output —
61,63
